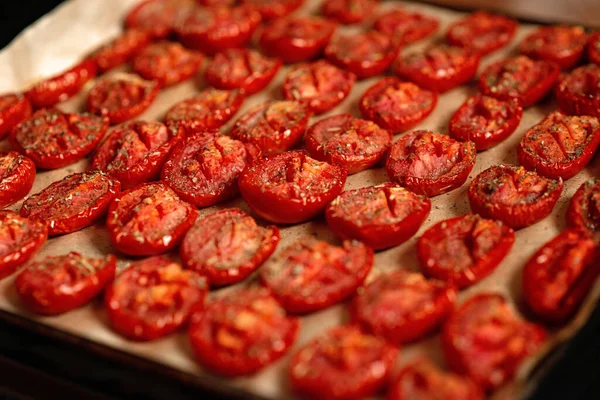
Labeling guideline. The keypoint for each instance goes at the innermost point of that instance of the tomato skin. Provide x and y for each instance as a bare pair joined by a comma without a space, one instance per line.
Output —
20,239
153,298
14,108
342,364
348,11
477,28
577,92
17,174
593,50
419,151
559,146
281,188
58,284
464,250
406,27
563,45
584,209
156,17
120,50
397,116
73,203
485,120
274,9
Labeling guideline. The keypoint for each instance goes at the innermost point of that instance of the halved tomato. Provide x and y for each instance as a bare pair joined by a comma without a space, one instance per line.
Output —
578,92
482,31
584,210
273,9
20,239
563,45
120,50
17,174
594,48
406,27
348,11
157,17
14,108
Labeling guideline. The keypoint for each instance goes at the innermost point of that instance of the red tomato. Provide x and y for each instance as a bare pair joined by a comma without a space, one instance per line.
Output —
272,9
348,11
406,27
242,69
584,209
397,106
365,55
241,333
559,146
578,92
20,239
17,174
53,139
354,143
594,48
149,219
274,126
511,194
58,284
73,203
482,31
343,363
485,121
157,17
380,216
153,298
465,249
560,274
14,108
134,152
291,187
296,39
203,169
311,274
120,50
563,45
439,68
430,163
519,78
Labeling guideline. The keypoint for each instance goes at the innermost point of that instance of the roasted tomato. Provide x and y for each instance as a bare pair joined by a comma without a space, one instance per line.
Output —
241,333
563,45
485,340
120,50
380,216
354,143
482,31
430,163
243,69
149,219
311,274
121,97
584,209
272,9
439,68
73,203
348,11
397,106
17,174
465,249
167,63
55,89
406,27
296,39
207,111
290,187
274,126
578,92
20,239
343,363
519,78
485,120
14,108
157,17
594,48
559,146
153,298
53,139
58,284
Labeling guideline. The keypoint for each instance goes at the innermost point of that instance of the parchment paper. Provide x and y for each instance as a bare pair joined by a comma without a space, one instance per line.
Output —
75,28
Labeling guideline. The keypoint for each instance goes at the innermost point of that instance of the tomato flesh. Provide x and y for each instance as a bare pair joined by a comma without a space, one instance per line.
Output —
406,27
120,50
273,9
578,92
157,17
563,45
594,48
14,108
17,174
482,31
584,210
348,11
20,239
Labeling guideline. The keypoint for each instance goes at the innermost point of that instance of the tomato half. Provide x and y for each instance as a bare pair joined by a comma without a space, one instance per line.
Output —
242,333
290,187
295,39
14,108
465,249
559,146
485,121
153,298
439,68
430,163
578,92
149,219
348,11
482,31
157,17
72,203
20,239
397,106
274,126
120,50
406,27
17,174
594,48
58,284
53,139
272,9
519,78
343,363
354,143
584,209
563,45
